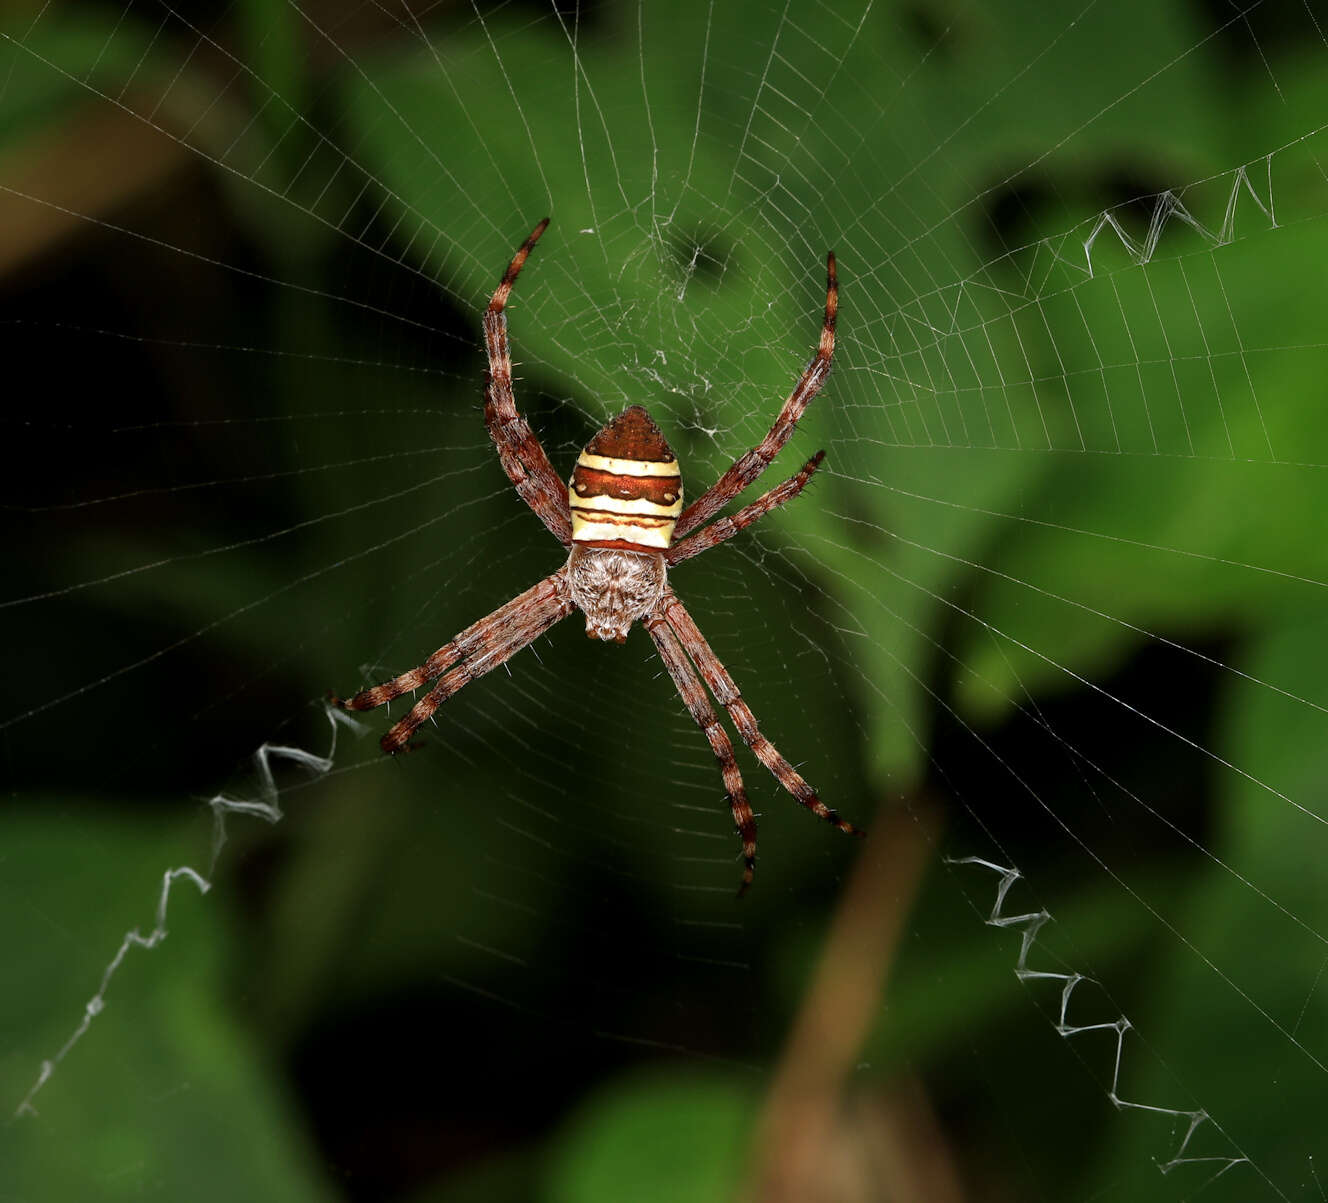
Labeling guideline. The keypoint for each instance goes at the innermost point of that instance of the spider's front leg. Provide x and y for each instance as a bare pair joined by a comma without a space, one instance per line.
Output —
725,528
519,450
748,466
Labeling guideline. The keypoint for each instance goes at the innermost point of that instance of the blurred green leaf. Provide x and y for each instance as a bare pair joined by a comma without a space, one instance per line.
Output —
1228,545
166,1092
656,1138
1240,1010
51,66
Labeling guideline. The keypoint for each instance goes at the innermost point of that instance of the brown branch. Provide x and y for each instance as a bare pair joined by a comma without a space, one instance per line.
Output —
798,1132
66,177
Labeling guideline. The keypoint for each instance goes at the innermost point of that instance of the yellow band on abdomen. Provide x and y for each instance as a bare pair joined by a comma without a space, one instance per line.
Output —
628,467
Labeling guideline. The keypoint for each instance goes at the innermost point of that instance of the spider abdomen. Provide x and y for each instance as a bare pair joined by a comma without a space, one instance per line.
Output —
626,489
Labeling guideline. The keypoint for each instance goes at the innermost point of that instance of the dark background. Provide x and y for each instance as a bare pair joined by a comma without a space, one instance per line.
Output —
1056,601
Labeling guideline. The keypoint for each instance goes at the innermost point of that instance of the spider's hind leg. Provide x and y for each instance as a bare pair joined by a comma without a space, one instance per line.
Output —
693,695
482,646
728,695
503,644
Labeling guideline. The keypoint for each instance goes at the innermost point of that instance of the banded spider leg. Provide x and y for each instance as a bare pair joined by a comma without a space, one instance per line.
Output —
681,645
479,649
519,450
748,466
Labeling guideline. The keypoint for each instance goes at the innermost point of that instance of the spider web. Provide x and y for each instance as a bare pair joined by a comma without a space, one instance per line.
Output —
1053,608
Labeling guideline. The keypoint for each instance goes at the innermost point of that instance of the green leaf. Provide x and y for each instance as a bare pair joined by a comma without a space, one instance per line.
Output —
656,1138
164,1093
1241,1011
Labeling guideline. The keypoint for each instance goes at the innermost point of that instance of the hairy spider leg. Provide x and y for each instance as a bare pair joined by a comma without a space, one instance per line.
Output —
748,466
502,641
717,678
457,648
725,528
694,697
519,451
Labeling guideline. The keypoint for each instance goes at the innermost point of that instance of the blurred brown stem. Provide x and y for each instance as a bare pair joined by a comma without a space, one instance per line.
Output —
798,1130
68,176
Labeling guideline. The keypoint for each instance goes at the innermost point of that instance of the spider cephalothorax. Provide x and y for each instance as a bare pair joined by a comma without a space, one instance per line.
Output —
618,516
615,588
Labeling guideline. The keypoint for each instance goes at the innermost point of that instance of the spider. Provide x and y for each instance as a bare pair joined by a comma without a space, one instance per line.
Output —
619,516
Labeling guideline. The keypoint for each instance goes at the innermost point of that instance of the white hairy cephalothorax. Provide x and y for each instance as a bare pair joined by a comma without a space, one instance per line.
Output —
615,588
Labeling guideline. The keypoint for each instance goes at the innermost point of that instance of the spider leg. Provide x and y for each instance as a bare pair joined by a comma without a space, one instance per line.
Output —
498,643
519,450
727,694
748,466
693,695
726,528
473,637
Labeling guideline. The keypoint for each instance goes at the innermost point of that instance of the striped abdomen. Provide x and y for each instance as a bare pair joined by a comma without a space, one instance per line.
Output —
626,490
